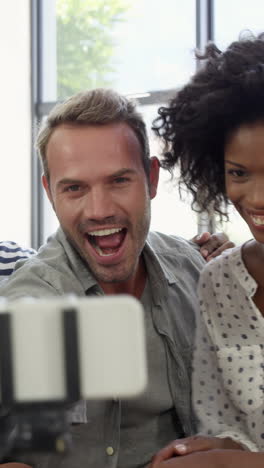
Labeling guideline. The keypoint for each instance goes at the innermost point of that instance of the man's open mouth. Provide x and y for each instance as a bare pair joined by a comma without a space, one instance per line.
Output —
107,242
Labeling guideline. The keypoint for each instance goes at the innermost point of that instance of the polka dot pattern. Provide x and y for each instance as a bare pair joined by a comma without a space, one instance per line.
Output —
228,366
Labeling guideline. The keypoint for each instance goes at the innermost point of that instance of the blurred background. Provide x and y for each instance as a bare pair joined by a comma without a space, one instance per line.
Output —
51,49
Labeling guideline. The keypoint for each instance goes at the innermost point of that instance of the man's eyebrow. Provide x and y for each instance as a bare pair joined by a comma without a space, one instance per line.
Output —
121,172
69,182
235,164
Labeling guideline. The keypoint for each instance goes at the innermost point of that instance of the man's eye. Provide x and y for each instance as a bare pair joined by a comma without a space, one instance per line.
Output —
120,180
73,188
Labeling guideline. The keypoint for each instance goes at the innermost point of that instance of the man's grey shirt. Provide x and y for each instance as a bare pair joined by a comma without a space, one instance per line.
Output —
173,267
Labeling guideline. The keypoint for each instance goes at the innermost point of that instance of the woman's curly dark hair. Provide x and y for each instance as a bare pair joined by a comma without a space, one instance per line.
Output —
227,92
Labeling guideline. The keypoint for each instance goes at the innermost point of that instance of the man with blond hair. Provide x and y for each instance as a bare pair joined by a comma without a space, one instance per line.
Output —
100,180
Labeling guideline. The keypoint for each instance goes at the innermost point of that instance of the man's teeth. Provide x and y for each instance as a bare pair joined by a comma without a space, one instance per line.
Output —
105,252
104,232
259,220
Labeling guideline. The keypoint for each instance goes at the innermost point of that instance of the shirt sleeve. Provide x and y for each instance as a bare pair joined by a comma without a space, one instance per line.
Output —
216,413
10,253
29,279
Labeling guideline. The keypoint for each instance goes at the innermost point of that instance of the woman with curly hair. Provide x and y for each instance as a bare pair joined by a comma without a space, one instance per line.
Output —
214,130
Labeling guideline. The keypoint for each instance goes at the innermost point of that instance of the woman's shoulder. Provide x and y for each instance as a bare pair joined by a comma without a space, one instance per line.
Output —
227,259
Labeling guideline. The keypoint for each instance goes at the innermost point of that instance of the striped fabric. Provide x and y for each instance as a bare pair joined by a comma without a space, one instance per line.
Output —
10,252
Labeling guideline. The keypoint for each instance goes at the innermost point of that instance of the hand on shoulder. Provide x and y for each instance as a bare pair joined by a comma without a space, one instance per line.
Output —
212,245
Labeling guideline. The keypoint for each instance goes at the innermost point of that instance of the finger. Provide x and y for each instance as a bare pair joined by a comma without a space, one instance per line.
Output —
212,244
200,239
196,444
14,465
164,454
182,447
216,241
221,236
221,249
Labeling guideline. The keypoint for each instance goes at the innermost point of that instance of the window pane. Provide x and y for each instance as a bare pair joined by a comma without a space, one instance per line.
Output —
15,121
234,16
168,210
129,45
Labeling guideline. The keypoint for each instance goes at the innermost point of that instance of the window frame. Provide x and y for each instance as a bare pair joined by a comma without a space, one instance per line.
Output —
204,14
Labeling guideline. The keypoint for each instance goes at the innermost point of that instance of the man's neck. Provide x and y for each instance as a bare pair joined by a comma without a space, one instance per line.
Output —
134,286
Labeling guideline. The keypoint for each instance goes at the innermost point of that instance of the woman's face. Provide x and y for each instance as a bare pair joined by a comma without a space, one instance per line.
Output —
244,175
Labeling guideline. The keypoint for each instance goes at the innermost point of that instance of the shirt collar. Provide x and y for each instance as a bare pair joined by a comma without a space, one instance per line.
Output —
78,265
158,275
237,265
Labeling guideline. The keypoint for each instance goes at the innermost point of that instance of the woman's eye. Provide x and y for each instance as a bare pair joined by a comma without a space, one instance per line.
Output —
237,172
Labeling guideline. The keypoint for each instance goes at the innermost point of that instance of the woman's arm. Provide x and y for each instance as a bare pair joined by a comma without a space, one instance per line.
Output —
216,459
14,465
193,444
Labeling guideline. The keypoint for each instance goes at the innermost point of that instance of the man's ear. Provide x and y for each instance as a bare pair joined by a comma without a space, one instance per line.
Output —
154,176
46,186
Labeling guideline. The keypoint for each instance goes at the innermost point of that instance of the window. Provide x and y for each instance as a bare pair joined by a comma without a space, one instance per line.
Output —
138,47
15,121
233,17
131,46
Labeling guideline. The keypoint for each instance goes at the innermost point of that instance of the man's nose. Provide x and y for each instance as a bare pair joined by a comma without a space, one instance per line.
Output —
98,204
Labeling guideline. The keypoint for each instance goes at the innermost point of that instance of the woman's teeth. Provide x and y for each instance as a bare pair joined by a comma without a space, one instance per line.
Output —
258,220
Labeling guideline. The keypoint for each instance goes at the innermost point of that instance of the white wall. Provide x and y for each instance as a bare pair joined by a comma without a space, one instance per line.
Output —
15,125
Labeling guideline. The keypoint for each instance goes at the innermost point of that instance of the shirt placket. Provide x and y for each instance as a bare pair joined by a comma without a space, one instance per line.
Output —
112,432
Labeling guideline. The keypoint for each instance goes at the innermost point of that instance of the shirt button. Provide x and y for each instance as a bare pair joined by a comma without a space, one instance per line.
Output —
109,450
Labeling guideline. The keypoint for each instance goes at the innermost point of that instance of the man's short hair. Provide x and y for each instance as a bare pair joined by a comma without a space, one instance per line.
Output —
94,107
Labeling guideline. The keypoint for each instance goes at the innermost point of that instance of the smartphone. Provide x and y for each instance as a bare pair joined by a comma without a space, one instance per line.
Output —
63,349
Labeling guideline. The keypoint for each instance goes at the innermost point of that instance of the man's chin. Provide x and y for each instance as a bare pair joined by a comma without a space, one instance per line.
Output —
111,276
